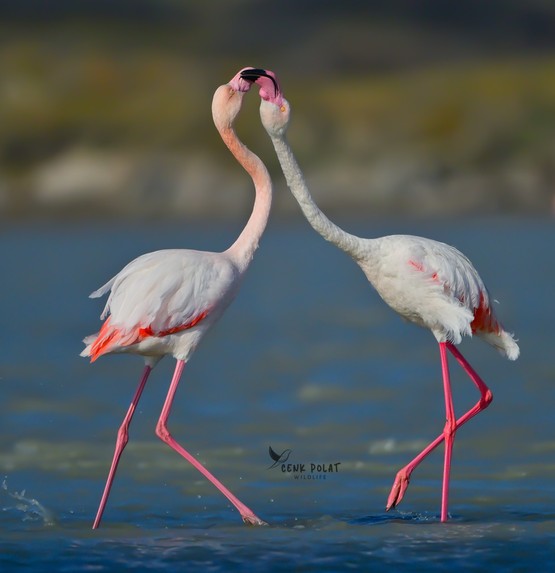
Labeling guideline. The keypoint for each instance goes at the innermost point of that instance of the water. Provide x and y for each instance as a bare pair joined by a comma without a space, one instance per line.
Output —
308,359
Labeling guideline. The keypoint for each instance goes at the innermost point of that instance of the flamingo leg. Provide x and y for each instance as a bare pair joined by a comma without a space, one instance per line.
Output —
163,433
402,478
121,442
448,431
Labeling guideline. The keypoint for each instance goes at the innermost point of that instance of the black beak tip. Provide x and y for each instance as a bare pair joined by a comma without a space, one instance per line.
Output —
252,74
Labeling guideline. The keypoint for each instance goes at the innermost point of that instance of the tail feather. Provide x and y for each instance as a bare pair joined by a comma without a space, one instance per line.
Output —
107,338
510,347
486,325
503,341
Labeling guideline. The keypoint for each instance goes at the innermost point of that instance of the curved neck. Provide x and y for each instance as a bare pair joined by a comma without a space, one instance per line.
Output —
242,250
320,223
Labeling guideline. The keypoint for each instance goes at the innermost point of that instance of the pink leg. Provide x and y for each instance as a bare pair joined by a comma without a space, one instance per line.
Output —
163,433
448,431
121,442
402,478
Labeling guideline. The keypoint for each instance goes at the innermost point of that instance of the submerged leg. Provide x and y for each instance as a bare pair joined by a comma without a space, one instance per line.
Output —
163,433
121,442
402,478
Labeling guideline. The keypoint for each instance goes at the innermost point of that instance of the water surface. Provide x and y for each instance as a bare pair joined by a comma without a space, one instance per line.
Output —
308,358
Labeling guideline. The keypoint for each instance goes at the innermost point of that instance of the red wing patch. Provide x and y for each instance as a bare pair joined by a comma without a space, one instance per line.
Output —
483,319
109,336
146,332
106,339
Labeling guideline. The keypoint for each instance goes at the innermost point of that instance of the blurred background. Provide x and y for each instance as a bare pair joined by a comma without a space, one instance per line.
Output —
421,108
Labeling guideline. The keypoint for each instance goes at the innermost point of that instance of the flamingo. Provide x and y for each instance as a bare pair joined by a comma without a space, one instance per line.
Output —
427,282
162,303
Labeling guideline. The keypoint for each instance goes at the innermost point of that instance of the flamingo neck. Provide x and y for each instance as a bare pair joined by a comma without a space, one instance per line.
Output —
243,249
351,244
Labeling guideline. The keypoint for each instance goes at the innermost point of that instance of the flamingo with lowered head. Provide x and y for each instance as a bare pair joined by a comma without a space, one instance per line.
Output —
427,282
162,303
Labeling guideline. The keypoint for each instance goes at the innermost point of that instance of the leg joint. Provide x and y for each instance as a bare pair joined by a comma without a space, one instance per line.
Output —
123,435
162,431
486,399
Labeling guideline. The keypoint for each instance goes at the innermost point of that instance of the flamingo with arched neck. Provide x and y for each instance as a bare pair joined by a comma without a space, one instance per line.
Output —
427,282
162,303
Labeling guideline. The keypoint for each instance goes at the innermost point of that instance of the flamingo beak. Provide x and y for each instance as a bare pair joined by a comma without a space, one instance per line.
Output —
261,77
252,74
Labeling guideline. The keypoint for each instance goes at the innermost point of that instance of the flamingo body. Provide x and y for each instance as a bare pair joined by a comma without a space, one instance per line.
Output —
435,286
163,302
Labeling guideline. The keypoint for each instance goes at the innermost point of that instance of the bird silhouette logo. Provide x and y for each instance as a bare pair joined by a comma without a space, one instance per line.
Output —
278,458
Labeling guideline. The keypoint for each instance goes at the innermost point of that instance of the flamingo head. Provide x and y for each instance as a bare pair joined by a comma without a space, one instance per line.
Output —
241,81
274,108
228,100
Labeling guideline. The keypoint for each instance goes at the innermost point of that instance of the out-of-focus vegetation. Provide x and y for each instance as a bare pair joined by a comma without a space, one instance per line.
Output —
398,106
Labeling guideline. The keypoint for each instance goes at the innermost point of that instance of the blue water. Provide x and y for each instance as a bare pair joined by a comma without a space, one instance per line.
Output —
308,358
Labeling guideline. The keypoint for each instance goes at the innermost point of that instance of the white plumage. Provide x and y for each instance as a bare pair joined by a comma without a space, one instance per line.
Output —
435,286
163,291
